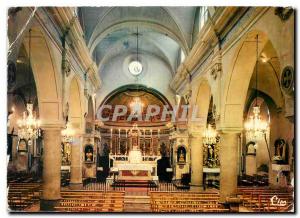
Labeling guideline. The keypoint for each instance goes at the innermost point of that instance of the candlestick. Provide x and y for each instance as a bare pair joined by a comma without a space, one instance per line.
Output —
110,141
151,144
158,141
144,142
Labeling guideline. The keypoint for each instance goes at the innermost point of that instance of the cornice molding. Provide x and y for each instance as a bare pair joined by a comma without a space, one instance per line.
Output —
207,47
63,17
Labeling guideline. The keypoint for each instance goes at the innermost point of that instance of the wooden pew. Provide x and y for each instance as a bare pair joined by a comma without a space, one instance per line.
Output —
22,195
91,201
185,202
259,199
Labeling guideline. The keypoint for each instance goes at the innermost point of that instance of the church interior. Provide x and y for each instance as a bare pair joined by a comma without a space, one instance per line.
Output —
150,109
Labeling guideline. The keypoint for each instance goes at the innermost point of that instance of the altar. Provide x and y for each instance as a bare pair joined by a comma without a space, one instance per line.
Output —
135,165
129,171
135,168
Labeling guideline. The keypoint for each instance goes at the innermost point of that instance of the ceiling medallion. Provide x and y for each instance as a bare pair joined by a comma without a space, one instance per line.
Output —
135,68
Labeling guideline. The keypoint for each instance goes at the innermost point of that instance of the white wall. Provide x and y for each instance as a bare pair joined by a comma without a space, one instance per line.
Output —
155,75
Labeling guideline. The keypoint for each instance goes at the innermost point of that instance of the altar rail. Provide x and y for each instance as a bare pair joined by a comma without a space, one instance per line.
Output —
105,186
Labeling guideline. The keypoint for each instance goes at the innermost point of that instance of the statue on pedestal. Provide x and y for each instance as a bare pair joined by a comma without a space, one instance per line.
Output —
281,152
181,157
181,153
89,153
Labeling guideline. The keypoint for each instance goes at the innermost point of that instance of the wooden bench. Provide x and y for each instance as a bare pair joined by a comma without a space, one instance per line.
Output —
259,199
91,201
22,195
186,202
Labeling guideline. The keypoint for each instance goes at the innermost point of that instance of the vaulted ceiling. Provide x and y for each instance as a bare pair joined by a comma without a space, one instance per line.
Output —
163,32
161,35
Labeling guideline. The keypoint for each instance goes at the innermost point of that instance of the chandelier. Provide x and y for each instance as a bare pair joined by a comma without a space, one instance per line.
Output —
67,133
209,136
29,126
255,127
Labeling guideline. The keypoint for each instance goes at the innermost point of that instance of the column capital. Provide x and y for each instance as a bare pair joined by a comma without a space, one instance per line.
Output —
230,130
195,134
52,126
196,130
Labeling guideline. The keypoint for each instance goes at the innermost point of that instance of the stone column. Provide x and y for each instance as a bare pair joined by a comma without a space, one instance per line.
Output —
228,164
14,151
51,168
76,163
196,159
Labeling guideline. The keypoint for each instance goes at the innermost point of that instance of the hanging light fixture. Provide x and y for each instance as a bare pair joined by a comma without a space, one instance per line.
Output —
255,127
135,67
29,126
210,136
67,133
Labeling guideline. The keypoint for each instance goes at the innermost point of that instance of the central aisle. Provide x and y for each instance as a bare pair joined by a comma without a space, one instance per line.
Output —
136,200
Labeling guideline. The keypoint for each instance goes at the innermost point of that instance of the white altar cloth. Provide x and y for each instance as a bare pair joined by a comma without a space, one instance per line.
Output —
129,166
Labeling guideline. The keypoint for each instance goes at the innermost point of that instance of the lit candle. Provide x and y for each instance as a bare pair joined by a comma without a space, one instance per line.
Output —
111,133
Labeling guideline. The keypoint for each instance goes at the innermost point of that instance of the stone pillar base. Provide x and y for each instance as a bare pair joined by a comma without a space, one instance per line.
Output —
76,186
233,204
48,205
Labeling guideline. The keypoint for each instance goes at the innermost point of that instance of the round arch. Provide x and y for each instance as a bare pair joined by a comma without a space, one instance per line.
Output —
237,80
90,117
201,102
133,87
46,76
75,105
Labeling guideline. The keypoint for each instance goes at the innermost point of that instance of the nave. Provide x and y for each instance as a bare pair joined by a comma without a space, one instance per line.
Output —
99,197
151,109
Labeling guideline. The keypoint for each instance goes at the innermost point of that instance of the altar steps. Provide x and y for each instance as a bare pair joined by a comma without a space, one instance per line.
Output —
138,204
133,183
